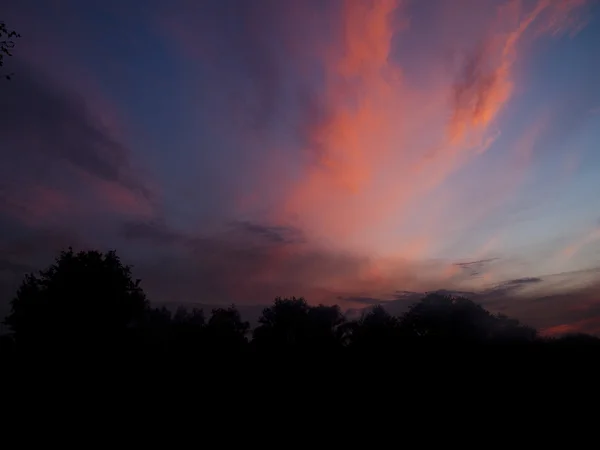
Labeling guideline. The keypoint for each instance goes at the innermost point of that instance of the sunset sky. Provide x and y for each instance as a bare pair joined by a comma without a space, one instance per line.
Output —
347,151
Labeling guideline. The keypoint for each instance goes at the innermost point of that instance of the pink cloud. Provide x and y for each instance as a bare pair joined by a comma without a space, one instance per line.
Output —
387,143
587,326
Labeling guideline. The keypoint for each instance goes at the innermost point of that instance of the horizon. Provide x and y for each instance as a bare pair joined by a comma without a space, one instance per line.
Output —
349,152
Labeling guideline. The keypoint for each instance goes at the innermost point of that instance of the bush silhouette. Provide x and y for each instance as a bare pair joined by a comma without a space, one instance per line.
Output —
82,297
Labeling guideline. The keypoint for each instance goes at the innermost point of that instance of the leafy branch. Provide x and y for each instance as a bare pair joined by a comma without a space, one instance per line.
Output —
7,43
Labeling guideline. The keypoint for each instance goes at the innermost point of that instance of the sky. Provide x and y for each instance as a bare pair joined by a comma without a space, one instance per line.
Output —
351,152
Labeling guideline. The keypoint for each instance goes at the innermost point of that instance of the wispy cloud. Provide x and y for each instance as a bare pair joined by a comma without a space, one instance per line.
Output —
55,150
473,268
574,247
39,117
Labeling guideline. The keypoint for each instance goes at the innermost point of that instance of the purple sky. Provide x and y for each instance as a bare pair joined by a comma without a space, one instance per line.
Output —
342,150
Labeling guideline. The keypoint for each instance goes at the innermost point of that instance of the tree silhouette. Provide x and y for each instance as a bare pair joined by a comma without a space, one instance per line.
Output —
375,330
508,329
194,318
448,319
7,43
82,297
283,324
153,330
326,325
187,330
226,329
293,324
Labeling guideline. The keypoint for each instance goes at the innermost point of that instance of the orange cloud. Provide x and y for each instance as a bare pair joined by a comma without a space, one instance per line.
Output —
342,190
386,142
486,83
356,92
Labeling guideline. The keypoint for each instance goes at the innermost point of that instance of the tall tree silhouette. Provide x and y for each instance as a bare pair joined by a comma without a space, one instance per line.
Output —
326,325
7,43
376,330
226,330
82,297
282,325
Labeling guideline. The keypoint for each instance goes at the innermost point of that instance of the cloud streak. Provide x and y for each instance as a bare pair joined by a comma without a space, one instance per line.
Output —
39,117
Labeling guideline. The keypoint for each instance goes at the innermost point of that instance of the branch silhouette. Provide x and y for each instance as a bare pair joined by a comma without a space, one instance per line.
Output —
7,43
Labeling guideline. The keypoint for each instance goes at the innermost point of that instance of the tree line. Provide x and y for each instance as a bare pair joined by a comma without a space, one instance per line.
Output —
87,302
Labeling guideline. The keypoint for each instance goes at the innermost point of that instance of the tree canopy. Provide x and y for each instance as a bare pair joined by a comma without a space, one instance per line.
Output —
450,319
80,296
293,324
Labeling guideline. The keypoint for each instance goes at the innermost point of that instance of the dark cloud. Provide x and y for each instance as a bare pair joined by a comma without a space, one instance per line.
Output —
510,287
39,118
363,300
527,280
153,231
274,234
503,296
474,268
158,232
475,263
